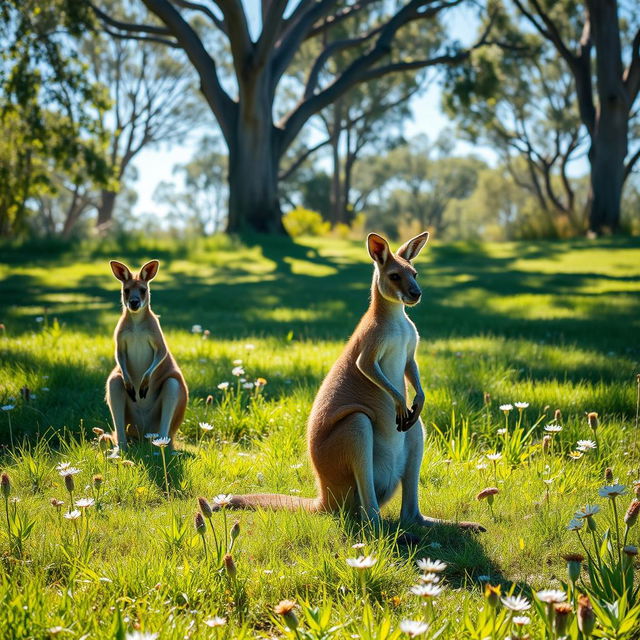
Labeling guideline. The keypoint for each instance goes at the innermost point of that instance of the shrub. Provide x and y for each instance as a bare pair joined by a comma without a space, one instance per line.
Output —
304,222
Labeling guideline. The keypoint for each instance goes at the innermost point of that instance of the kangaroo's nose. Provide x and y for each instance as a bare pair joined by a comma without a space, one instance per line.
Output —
134,303
415,292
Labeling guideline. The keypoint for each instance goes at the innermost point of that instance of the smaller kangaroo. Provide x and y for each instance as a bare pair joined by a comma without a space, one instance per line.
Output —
146,391
361,435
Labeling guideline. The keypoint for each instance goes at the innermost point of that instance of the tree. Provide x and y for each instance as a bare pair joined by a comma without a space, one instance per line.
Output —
605,88
49,115
256,142
531,120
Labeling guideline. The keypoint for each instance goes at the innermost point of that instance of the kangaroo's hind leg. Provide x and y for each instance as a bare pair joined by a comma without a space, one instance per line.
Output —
172,402
116,400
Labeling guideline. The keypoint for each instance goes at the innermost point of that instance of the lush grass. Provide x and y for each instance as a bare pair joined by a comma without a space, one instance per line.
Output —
553,324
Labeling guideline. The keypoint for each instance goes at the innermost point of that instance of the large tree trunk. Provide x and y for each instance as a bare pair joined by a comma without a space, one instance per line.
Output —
105,209
254,158
609,137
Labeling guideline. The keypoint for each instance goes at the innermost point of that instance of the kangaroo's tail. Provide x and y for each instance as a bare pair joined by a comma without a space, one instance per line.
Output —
274,501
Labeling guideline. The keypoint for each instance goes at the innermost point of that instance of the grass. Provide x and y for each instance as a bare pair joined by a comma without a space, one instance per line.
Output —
552,324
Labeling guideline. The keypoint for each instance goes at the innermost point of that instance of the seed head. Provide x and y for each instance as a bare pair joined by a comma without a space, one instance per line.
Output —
487,398
562,617
209,400
608,475
557,415
97,480
235,530
69,483
285,609
489,492
574,564
631,516
630,550
5,483
230,566
586,616
592,419
205,507
546,443
56,503
199,523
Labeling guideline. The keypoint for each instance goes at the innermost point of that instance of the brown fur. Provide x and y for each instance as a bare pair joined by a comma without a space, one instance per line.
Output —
146,391
361,436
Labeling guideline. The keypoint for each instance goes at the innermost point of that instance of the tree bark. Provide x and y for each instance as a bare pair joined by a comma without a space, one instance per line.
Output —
105,209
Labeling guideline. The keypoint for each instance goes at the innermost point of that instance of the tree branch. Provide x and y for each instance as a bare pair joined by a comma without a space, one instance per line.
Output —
196,6
283,175
238,29
130,27
631,77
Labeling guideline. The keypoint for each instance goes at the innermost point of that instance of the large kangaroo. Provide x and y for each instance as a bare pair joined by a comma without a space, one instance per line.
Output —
361,435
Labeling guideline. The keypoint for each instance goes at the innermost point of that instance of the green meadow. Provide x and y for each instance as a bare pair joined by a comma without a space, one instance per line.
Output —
552,324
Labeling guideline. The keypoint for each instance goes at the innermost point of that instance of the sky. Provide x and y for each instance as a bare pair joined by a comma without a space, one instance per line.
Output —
155,165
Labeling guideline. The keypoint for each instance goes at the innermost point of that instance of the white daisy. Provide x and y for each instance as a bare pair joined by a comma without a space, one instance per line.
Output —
431,566
516,603
223,386
151,436
427,590
521,620
553,428
83,503
216,621
223,500
502,431
413,628
161,442
72,515
521,405
585,445
494,457
506,407
237,371
205,426
196,328
361,562
69,471
551,596
587,510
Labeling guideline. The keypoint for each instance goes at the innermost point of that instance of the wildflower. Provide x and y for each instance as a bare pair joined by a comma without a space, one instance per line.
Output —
285,608
196,328
494,457
592,419
502,431
209,400
431,566
575,455
575,525
434,578
205,426
612,491
237,363
223,386
557,415
230,566
249,347
151,436
223,500
205,507
72,515
260,382
488,493
97,480
631,516
199,523
520,621
358,545
141,635
8,407
586,445
413,628
248,385
65,469
428,590
68,474
521,405
56,503
587,511
5,483
216,621
235,531
553,428
161,442
506,407
83,503
586,616
551,596
574,564
237,371
516,603
562,616
608,475
492,594
361,562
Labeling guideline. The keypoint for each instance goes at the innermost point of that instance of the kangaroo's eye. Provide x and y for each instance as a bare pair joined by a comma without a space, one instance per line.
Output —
142,292
394,276
126,291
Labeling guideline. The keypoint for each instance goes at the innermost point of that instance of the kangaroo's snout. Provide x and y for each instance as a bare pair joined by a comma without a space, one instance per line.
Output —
134,304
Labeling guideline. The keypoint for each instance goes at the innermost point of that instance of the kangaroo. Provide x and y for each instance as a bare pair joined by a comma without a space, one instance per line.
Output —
361,435
146,391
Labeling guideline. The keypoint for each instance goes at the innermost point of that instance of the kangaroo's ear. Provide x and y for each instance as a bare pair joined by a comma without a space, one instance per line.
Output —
120,271
378,248
410,249
149,270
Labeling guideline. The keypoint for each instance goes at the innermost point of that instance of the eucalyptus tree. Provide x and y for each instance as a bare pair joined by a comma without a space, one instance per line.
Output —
599,42
245,105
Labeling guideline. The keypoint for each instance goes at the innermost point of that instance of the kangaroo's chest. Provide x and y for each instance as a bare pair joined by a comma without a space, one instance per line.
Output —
139,353
397,343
